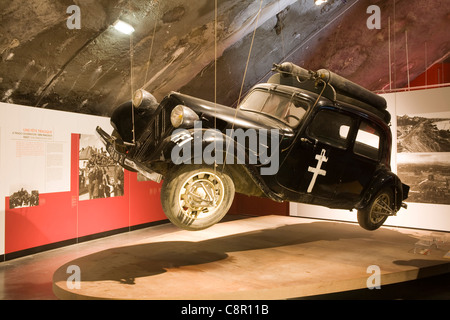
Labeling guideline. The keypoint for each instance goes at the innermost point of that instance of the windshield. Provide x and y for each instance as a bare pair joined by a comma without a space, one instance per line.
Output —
283,107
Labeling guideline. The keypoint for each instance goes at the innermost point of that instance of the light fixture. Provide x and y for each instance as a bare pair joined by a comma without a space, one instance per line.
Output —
183,116
144,99
123,27
319,2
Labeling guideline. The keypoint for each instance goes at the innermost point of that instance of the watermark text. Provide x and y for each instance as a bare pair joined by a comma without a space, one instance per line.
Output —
374,281
374,21
74,20
74,280
236,146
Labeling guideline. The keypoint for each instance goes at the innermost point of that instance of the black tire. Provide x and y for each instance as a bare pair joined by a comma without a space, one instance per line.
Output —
377,211
196,197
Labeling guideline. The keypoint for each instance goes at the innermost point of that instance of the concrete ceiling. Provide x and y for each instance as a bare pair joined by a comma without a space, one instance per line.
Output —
88,70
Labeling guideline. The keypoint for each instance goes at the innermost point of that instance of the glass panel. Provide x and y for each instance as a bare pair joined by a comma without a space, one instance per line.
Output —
343,131
331,127
287,109
367,141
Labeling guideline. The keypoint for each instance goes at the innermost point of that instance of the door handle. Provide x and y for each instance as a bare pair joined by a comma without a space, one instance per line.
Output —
309,141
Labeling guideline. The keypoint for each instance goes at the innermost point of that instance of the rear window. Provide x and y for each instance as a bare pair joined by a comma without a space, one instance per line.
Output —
367,141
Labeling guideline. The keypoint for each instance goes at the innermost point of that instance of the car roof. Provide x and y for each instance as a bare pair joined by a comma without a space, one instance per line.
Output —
328,95
323,101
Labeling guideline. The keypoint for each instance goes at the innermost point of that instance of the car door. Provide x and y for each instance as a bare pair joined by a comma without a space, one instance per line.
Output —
363,160
318,157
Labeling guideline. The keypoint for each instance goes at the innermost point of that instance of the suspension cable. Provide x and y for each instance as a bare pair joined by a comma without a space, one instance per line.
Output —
131,85
215,77
245,74
151,48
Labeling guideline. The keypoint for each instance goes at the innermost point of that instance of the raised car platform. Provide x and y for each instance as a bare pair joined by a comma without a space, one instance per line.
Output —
271,257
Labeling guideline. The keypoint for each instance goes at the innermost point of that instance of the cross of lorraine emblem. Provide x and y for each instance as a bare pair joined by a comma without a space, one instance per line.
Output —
317,170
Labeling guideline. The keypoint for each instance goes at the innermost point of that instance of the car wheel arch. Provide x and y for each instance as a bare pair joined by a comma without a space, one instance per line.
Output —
382,180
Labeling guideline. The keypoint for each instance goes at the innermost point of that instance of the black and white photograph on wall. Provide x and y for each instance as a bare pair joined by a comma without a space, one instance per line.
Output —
23,198
423,156
99,175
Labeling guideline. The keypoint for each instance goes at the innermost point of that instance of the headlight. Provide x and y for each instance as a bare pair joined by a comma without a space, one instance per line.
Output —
142,98
183,116
138,97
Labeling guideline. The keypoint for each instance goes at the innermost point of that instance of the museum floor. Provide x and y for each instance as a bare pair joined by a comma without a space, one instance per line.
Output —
270,257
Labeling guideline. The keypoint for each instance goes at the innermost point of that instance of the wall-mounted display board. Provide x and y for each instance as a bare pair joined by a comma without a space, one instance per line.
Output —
420,156
57,182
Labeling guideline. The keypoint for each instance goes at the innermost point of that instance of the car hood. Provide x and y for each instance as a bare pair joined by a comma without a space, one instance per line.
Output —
240,118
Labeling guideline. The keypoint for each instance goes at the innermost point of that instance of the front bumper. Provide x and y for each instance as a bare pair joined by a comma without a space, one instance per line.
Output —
123,159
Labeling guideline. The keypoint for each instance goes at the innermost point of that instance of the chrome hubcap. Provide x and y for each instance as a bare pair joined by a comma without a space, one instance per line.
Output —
201,195
381,208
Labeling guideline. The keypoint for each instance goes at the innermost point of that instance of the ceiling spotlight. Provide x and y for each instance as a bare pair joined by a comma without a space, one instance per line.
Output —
319,2
123,27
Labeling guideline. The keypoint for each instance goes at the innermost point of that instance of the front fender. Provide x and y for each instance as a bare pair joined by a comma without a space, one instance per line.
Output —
121,120
205,146
212,147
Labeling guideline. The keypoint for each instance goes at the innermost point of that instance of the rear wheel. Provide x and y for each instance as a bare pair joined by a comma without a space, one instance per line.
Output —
196,197
375,214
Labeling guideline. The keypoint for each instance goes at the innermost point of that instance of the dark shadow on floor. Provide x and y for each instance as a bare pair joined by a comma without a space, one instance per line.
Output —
125,264
431,288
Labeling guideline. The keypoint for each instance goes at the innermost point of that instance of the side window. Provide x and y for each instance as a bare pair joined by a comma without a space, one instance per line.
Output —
331,127
367,141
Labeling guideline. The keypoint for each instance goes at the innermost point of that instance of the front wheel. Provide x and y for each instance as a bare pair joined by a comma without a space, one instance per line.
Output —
375,214
196,197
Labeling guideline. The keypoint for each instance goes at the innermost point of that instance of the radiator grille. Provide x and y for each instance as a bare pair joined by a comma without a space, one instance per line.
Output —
157,130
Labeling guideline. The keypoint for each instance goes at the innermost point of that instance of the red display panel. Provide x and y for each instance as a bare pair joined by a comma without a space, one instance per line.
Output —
63,216
53,220
145,203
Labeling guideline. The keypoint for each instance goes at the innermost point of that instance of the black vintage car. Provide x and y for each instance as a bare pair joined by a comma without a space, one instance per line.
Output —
304,136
